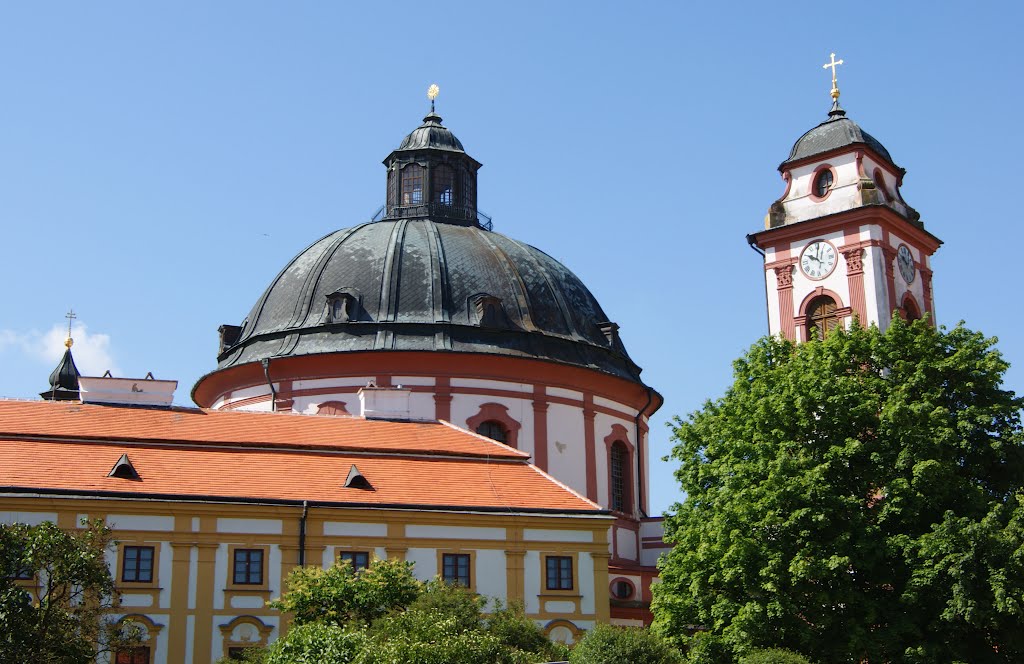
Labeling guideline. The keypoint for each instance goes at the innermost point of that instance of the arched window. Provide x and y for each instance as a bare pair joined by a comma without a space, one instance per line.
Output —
823,183
444,184
821,317
910,311
494,430
412,185
619,490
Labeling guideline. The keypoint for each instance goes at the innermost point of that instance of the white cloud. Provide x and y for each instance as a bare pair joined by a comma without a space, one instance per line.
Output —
91,351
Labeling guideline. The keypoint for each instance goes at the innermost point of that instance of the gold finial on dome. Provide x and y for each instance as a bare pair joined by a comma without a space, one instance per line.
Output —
432,93
70,315
833,64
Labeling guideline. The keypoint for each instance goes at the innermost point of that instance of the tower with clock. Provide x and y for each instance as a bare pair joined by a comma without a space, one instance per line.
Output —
841,243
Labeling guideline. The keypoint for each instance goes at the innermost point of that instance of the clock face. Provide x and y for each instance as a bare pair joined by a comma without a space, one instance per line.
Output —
818,259
906,262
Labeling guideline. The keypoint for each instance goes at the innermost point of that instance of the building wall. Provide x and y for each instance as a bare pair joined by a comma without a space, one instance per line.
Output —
565,431
193,612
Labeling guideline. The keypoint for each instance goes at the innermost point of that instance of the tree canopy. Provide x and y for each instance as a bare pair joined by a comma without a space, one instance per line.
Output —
55,591
854,499
384,615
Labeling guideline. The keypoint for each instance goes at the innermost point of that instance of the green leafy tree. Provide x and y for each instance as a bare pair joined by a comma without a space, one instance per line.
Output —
65,622
854,499
383,615
606,644
340,595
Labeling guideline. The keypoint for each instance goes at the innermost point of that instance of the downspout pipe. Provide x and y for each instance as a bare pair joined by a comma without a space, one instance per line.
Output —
752,241
273,393
640,452
302,533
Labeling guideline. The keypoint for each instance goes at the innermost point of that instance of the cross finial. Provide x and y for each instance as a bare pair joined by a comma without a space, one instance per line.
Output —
432,93
833,64
70,315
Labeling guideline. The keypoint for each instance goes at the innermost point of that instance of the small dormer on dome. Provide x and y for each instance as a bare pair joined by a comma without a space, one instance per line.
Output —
430,175
837,166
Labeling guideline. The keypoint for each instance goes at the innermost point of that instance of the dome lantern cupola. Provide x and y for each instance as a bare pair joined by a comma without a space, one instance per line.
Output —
430,175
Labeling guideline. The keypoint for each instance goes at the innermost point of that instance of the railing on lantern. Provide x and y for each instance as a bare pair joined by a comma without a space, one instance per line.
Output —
433,210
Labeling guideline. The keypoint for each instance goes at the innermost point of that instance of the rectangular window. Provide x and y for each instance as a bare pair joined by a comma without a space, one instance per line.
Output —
137,655
559,573
137,564
456,568
358,559
248,569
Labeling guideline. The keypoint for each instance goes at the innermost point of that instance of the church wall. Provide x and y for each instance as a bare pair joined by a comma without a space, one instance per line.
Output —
566,446
801,205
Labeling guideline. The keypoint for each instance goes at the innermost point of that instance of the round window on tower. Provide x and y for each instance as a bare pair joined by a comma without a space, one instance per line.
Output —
823,182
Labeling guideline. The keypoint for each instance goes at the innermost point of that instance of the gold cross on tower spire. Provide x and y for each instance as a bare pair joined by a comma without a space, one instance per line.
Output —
432,93
835,63
70,315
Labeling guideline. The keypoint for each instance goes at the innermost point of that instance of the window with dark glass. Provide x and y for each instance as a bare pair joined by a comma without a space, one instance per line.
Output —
823,183
137,564
412,185
248,568
558,573
358,559
619,477
468,194
910,312
821,317
622,590
455,568
136,655
444,184
392,188
494,430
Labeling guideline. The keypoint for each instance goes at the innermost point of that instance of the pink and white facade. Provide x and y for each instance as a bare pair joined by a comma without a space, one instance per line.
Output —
843,203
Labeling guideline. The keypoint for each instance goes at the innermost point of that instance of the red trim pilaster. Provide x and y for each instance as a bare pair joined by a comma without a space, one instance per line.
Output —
855,282
784,287
589,442
889,256
926,286
443,398
540,427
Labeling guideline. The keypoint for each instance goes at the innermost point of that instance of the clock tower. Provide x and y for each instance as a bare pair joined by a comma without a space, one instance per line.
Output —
841,243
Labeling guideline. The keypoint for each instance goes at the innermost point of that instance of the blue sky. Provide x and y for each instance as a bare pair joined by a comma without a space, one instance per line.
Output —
159,162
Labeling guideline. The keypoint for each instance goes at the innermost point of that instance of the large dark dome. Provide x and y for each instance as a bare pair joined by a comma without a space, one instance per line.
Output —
425,285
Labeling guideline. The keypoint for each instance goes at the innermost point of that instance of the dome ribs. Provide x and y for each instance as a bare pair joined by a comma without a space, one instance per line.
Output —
387,312
516,280
305,303
441,297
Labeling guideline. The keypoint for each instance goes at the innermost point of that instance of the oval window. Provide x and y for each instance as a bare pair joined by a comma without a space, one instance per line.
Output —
823,183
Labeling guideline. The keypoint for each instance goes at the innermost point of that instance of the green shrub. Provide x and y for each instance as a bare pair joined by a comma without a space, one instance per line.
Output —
774,656
316,643
606,644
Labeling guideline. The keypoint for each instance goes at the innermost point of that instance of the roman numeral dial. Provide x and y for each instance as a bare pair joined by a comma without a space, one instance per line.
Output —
818,259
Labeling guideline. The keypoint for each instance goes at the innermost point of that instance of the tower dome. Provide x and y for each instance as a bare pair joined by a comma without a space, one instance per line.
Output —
835,133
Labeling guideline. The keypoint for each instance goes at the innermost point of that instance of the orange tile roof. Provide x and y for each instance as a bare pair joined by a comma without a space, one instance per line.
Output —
184,467
65,419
